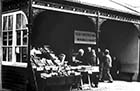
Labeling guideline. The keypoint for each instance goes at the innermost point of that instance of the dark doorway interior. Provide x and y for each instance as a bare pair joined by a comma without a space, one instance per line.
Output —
122,41
57,30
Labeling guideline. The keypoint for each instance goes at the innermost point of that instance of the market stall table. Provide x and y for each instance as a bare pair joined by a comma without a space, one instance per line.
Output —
88,70
57,83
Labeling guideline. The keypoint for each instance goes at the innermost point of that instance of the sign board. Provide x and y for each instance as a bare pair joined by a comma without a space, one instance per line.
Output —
84,37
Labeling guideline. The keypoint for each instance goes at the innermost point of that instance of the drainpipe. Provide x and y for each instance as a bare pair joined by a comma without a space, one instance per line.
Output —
0,45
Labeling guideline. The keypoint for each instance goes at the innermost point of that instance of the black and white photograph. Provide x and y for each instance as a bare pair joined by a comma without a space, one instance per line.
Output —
69,45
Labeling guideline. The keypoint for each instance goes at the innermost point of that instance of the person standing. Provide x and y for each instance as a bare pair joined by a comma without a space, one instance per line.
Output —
86,62
100,56
107,66
93,62
87,56
79,57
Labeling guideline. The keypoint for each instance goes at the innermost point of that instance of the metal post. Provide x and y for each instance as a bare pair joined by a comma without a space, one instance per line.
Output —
97,33
98,29
139,51
0,45
32,76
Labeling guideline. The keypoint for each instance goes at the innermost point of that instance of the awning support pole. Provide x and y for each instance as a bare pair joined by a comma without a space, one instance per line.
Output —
97,30
98,22
97,27
31,73
0,45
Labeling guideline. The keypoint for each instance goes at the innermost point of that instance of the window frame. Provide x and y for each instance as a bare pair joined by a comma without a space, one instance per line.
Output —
14,38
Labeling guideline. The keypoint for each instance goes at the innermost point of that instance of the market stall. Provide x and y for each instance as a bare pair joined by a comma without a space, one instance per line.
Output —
53,72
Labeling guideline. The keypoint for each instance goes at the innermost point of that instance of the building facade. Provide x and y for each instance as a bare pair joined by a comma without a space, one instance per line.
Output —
59,24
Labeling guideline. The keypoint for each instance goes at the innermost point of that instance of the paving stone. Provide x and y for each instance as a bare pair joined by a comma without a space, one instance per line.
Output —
116,86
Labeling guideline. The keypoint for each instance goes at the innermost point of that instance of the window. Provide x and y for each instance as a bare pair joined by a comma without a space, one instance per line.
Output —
7,37
21,38
15,38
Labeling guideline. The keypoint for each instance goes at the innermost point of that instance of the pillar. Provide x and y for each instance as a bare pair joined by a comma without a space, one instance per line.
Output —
0,45
138,27
32,80
139,54
98,22
137,75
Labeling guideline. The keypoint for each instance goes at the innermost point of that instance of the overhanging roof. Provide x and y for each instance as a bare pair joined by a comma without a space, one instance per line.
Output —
125,6
110,5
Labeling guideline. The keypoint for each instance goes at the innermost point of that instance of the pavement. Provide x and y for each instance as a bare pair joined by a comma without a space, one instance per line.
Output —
5,89
116,86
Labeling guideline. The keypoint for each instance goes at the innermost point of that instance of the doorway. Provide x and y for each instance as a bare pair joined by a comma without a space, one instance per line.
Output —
122,40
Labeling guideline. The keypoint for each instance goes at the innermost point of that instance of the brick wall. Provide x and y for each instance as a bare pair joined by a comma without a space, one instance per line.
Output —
14,78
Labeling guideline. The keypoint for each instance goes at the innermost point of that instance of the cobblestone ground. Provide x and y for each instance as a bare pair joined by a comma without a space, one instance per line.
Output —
116,86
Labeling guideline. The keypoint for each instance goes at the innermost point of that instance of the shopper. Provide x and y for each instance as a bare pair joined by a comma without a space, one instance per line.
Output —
87,56
100,56
107,66
93,62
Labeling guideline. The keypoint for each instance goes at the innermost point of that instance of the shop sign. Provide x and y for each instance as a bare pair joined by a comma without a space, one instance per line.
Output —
84,37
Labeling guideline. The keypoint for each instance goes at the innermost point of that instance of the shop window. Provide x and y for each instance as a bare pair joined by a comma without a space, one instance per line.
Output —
21,38
7,54
15,38
21,54
7,37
